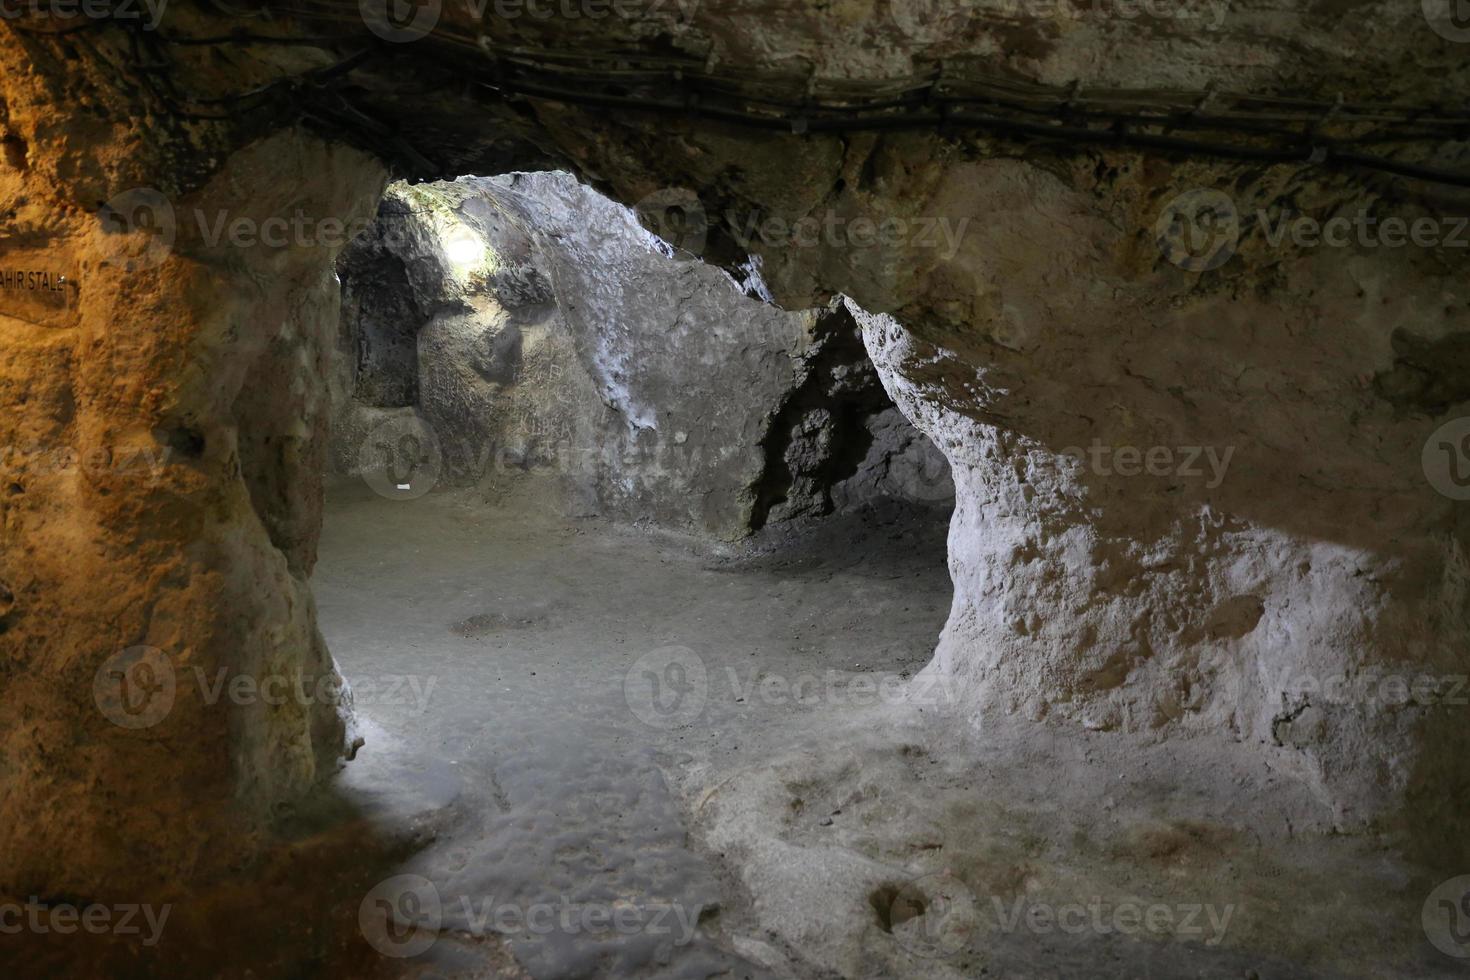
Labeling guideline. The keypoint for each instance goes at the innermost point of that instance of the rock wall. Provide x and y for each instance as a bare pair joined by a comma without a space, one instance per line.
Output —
1213,522
164,432
565,340
1051,320
1091,589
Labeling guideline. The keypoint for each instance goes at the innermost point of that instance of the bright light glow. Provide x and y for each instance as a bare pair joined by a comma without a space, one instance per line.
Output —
464,249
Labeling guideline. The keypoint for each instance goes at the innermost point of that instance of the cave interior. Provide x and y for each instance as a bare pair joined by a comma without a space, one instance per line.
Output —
650,489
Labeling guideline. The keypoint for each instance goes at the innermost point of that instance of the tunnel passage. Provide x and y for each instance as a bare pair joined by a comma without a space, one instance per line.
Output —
519,356
527,326
1085,598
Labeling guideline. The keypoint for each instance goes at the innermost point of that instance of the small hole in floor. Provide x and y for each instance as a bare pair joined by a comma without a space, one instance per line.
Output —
897,904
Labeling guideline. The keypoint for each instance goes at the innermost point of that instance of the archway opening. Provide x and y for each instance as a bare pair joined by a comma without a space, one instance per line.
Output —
603,529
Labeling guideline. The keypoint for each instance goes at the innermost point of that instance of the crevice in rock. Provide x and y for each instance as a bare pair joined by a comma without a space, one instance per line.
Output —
822,432
1428,376
188,442
895,904
1281,723
525,326
381,313
16,151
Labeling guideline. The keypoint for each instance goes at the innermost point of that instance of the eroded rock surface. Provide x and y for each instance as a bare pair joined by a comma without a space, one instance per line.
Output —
1278,556
166,426
567,341
1126,602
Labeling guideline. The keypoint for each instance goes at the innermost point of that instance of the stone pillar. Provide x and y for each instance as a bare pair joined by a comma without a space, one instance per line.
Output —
163,415
1198,504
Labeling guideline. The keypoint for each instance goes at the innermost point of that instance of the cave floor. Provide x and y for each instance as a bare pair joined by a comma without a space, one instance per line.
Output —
796,811
489,648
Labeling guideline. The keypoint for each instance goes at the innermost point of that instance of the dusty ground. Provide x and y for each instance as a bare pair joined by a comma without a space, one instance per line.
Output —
526,804
524,734
783,817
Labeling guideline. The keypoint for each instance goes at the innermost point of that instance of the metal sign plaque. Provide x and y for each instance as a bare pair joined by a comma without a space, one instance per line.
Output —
37,289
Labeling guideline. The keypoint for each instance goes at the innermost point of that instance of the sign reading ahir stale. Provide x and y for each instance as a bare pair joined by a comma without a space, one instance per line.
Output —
37,292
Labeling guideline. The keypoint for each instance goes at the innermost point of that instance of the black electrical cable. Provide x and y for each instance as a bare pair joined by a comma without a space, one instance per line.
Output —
1122,138
919,106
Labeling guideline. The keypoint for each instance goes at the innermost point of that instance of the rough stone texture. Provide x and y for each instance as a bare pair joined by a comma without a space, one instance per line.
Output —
159,492
837,440
579,345
1058,321
1082,598
1206,601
